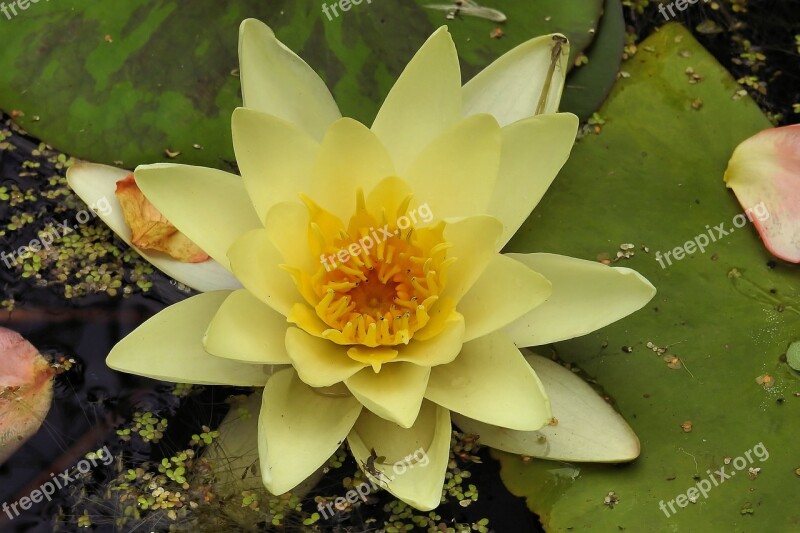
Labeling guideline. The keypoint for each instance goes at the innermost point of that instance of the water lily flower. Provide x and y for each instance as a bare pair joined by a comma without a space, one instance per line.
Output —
26,391
374,301
764,173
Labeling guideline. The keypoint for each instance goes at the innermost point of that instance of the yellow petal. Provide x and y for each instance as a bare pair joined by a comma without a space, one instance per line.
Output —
350,158
439,349
375,356
395,393
276,81
534,150
586,427
169,347
424,101
299,429
150,230
319,362
274,156
95,184
505,291
389,195
443,312
586,296
415,458
209,206
511,87
256,263
287,227
456,173
474,242
306,318
490,381
248,330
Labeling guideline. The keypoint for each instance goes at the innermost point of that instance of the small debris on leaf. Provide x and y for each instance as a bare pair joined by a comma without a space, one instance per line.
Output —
766,381
611,499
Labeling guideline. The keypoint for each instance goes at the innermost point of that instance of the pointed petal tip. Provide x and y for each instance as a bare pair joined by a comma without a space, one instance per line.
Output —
646,282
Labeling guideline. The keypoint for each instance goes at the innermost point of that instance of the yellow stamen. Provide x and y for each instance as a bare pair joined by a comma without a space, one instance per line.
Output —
380,295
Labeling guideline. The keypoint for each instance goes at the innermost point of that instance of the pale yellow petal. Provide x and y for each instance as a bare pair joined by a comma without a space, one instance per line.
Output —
415,459
424,101
439,349
586,296
350,158
299,429
248,330
287,227
474,242
95,184
256,263
209,206
456,173
169,347
511,87
274,157
319,362
534,150
275,80
505,291
389,194
395,393
490,381
586,427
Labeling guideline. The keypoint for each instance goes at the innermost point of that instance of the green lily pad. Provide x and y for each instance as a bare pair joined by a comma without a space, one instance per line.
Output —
127,81
793,356
719,391
588,86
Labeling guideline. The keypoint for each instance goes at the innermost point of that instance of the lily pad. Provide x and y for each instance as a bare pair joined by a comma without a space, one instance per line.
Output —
793,356
151,81
588,86
683,371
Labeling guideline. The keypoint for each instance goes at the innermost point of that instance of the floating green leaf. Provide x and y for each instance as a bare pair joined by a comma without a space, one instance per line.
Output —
588,85
128,81
724,317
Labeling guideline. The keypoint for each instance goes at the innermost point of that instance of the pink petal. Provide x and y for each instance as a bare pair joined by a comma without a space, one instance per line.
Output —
764,173
26,391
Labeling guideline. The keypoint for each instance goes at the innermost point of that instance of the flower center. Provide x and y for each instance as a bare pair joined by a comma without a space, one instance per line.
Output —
379,278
